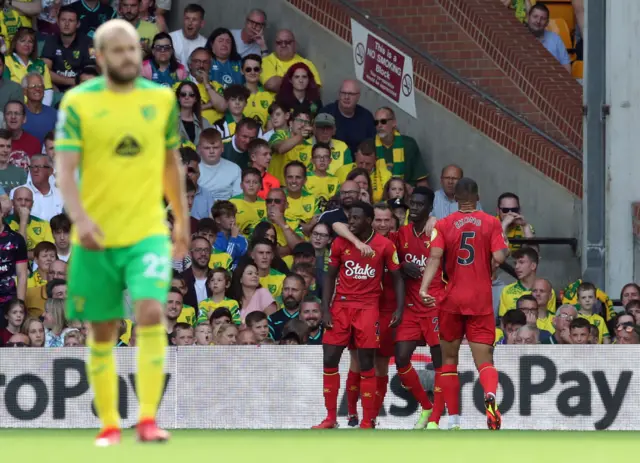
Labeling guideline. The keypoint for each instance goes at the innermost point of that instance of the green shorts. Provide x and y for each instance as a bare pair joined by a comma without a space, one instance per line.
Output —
97,279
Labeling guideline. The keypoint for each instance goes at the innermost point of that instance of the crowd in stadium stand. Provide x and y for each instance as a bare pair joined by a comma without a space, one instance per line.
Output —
271,169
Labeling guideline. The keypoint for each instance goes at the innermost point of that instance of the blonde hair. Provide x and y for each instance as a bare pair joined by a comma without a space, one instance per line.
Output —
220,329
74,333
56,308
111,27
26,326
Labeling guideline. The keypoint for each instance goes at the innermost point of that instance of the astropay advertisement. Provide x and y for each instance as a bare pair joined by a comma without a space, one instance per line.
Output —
280,387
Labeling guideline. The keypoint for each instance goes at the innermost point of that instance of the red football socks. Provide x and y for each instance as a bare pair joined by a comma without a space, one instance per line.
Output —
331,387
353,393
411,382
368,395
381,391
488,378
450,384
438,398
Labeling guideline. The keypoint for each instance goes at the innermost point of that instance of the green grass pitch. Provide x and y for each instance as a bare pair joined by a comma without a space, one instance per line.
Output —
331,446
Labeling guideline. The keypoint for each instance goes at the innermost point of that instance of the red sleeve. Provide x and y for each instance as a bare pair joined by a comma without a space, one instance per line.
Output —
391,257
498,240
437,236
336,252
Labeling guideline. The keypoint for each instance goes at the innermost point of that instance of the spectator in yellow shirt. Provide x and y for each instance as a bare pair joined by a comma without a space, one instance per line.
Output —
587,300
129,10
270,278
302,205
291,145
542,291
44,254
365,158
218,282
513,222
260,99
251,209
319,182
33,229
325,130
528,304
288,231
275,66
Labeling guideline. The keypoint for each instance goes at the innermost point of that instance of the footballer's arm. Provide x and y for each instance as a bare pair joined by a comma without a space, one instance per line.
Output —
342,229
430,270
66,165
22,274
175,191
500,256
398,287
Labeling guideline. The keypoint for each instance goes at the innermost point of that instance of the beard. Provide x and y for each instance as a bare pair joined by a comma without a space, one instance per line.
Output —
119,78
290,303
313,324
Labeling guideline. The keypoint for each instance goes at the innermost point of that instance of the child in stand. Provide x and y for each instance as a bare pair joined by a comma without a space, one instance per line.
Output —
260,156
319,181
586,302
228,239
218,282
236,97
250,208
257,322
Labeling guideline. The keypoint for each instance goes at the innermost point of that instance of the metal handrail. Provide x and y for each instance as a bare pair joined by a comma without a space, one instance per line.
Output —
458,78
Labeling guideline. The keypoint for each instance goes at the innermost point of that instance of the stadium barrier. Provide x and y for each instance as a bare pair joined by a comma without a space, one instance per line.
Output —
280,387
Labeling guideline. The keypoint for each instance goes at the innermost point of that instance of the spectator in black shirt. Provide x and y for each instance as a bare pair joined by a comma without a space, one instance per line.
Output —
87,73
349,192
13,264
67,52
92,14
311,314
293,291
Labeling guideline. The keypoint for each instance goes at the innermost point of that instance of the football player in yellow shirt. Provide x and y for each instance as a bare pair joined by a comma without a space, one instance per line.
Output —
123,131
325,130
251,208
587,300
302,205
260,99
291,145
319,182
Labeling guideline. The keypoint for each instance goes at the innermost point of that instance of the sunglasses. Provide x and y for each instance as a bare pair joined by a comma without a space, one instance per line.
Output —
284,43
255,69
506,210
187,95
627,326
381,121
16,344
162,47
274,201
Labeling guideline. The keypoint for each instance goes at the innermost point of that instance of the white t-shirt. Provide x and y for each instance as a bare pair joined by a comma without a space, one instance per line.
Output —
183,47
245,49
201,289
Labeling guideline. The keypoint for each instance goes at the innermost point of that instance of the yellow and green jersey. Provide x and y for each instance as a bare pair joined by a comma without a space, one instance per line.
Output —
146,31
211,115
546,323
220,259
301,152
273,282
294,224
379,177
499,336
511,293
188,315
10,21
515,231
303,208
597,321
324,188
206,308
36,280
571,297
16,70
249,213
340,155
258,106
273,66
38,230
122,140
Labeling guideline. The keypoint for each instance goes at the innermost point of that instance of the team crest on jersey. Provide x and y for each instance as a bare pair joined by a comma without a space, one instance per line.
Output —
347,252
261,213
76,54
148,112
37,230
303,157
331,188
406,245
307,207
335,155
264,104
427,244
394,258
272,289
128,146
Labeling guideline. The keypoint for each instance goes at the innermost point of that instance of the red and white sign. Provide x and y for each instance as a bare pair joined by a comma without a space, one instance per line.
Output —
383,68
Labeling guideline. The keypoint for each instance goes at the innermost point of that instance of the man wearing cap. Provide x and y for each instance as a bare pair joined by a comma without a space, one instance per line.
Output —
324,131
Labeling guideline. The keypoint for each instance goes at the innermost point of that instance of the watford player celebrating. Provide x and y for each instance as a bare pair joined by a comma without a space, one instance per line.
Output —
420,322
469,240
354,309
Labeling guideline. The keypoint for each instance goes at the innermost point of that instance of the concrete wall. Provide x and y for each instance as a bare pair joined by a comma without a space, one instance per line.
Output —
443,137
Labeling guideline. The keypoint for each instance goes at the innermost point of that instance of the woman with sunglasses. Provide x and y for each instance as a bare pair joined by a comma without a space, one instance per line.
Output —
300,91
225,67
624,324
22,58
191,121
260,99
163,67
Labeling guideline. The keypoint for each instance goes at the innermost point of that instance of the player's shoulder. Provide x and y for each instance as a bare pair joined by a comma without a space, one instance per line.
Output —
146,85
380,240
89,87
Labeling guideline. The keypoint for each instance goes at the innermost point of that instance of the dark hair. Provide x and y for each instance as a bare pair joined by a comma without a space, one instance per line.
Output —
296,164
223,207
252,57
188,155
366,208
586,286
190,185
526,297
260,231
254,317
295,276
5,134
194,8
67,9
60,222
219,313
197,105
286,97
21,32
320,145
207,225
295,330
173,289
20,103
43,246
387,188
225,272
366,147
89,71
11,304
635,285
508,195
257,143
52,284
235,289
249,123
580,323
272,107
540,6
529,253
427,193
236,91
180,326
261,241
305,267
50,136
251,171
173,61
357,172
233,56
514,317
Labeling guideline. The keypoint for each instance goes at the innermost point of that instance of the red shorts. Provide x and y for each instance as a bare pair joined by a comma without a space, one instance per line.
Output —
423,329
355,320
477,328
386,348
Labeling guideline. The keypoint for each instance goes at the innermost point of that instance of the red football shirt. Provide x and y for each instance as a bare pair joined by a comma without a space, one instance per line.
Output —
415,247
360,278
388,298
468,240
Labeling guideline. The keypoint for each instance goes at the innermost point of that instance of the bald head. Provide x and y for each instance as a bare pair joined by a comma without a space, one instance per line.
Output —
466,190
285,45
112,29
349,192
349,96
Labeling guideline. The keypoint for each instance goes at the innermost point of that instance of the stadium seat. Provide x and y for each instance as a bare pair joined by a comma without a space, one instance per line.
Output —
560,27
577,69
